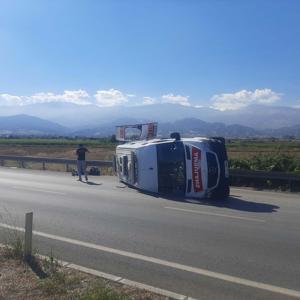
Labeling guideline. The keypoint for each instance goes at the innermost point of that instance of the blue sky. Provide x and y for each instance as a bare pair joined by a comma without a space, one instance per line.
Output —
225,54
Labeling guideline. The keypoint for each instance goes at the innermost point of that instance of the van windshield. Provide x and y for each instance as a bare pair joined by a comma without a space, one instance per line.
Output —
171,168
213,170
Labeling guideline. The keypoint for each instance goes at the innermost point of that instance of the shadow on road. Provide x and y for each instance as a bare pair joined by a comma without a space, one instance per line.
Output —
91,183
245,205
233,202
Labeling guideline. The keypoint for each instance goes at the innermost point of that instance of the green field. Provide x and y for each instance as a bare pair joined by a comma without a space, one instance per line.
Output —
104,142
248,148
267,155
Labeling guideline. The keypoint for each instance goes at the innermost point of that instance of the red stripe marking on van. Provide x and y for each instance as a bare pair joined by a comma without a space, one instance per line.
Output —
196,169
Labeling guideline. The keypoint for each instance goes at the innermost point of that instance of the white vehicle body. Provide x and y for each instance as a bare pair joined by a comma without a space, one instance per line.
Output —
192,167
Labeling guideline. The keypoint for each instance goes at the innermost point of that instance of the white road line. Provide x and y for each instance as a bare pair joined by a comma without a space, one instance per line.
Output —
153,289
37,190
214,214
165,263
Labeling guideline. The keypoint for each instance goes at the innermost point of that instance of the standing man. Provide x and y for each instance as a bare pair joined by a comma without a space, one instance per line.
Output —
81,165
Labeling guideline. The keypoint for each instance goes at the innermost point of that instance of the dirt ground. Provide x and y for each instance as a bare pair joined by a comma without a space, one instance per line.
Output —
54,151
64,151
18,281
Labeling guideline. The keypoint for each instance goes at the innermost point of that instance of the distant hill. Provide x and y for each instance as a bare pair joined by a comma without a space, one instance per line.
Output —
28,125
193,127
91,116
292,131
262,117
197,127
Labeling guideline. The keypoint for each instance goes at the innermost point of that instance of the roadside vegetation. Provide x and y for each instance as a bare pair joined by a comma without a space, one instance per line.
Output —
272,163
45,279
264,155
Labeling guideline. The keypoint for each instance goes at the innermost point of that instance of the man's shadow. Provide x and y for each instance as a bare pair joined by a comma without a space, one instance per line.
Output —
90,182
232,202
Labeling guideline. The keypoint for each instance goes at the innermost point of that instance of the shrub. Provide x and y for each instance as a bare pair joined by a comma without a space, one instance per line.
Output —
277,162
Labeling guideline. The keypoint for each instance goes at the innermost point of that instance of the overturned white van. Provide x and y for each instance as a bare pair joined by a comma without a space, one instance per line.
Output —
192,167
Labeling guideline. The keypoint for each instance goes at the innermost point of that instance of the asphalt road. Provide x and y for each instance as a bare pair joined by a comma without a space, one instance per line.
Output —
245,248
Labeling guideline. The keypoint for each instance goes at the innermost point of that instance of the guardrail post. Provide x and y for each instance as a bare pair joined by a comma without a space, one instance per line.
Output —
28,235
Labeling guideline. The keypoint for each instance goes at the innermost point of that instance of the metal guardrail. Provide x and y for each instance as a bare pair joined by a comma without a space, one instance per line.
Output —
264,175
107,163
47,160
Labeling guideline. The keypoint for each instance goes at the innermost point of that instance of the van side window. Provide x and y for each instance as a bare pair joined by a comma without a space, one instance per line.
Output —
125,165
120,164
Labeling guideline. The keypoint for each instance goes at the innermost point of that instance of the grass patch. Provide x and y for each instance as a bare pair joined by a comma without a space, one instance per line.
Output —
13,239
103,293
59,283
15,250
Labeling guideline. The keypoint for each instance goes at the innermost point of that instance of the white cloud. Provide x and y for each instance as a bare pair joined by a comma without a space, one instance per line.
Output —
297,105
169,98
10,100
149,101
244,98
110,97
176,99
106,98
131,95
77,97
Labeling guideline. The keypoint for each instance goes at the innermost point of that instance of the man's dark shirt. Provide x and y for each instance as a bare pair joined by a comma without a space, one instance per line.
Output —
81,153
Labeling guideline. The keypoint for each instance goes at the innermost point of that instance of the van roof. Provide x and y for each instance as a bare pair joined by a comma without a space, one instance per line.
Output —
144,143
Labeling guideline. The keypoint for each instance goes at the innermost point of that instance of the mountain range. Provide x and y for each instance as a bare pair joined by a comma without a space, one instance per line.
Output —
79,117
28,125
24,125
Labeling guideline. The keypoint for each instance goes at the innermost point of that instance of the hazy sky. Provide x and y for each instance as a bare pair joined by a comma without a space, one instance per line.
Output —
224,54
